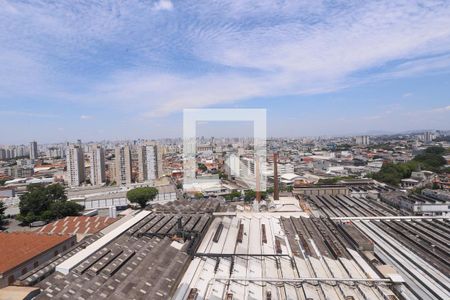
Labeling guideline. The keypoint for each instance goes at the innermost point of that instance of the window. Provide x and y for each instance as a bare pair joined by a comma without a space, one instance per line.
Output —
36,263
11,279
24,271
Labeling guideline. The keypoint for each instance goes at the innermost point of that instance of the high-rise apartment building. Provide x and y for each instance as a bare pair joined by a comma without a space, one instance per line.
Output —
428,137
33,150
362,140
97,160
75,165
123,165
149,162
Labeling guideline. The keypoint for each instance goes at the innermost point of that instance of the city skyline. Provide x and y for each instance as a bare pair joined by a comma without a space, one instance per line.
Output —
414,134
115,71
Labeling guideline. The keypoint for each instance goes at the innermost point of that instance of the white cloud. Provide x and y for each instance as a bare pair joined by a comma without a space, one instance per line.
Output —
27,114
86,117
163,5
441,109
407,95
213,52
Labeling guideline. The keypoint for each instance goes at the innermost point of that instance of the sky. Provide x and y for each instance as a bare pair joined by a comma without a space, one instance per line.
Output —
126,69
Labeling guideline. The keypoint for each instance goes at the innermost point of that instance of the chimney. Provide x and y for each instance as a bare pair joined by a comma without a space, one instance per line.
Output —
276,190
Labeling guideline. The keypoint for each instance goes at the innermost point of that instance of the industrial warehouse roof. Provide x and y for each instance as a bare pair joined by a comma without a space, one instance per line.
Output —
19,247
78,225
272,258
143,262
18,292
187,206
346,206
418,250
256,255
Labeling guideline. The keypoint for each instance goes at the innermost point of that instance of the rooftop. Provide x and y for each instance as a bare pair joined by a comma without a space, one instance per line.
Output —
19,247
143,262
18,292
77,225
267,257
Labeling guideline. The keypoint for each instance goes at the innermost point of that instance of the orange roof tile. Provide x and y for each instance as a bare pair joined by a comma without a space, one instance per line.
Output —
19,247
77,225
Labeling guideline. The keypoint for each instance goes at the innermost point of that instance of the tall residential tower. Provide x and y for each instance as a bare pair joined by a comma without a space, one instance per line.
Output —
123,165
33,150
149,162
97,159
75,165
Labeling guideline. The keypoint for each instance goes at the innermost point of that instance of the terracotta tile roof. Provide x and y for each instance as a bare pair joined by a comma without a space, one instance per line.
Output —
18,247
77,225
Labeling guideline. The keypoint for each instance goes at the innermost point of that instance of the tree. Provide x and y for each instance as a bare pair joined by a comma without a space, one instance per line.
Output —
250,195
45,203
223,176
2,214
202,167
435,150
198,195
61,209
142,195
56,192
232,195
33,203
431,159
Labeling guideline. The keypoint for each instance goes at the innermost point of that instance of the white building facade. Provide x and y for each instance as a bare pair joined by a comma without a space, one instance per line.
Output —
150,162
123,165
75,165
97,159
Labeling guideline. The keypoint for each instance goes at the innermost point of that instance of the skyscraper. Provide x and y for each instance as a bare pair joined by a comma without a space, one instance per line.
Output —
123,165
149,162
33,150
97,159
75,165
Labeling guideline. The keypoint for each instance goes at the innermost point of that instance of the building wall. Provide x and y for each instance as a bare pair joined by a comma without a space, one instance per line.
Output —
317,191
123,165
33,150
431,209
75,165
149,162
119,201
362,140
7,192
97,158
103,203
12,275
